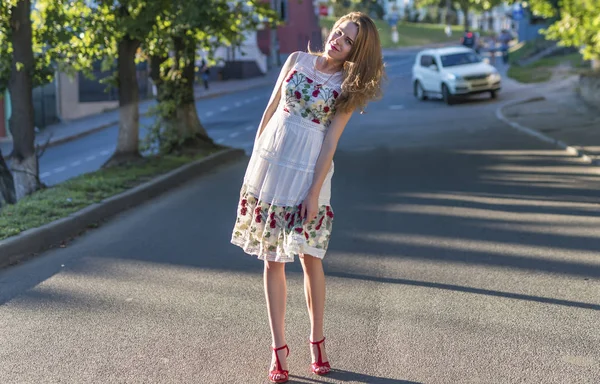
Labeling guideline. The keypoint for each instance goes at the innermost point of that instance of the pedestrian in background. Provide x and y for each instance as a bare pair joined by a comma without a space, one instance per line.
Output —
204,73
505,38
492,48
284,207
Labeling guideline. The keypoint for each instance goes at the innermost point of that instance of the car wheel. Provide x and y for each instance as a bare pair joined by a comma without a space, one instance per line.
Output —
419,91
493,94
448,98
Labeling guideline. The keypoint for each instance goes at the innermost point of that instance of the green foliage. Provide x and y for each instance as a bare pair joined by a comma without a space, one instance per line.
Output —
183,28
579,26
371,7
410,34
161,136
71,196
543,70
57,43
544,8
476,5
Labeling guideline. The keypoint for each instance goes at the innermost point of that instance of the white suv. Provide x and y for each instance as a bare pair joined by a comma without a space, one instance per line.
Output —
452,72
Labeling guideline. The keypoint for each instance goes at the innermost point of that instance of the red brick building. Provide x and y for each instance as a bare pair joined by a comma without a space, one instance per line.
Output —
301,26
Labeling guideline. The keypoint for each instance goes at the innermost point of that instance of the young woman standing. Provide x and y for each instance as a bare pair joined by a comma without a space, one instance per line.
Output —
284,207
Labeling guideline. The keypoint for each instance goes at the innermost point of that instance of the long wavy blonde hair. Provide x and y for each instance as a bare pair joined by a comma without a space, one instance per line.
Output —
363,70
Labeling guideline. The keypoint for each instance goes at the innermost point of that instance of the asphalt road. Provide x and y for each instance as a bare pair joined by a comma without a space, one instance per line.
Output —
462,252
231,120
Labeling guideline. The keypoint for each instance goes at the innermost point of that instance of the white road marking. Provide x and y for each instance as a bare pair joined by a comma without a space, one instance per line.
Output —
44,175
90,158
105,153
76,163
220,141
247,101
238,104
208,114
224,109
234,134
59,169
396,107
249,128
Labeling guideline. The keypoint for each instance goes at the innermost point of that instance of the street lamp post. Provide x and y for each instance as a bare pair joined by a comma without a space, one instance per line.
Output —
274,56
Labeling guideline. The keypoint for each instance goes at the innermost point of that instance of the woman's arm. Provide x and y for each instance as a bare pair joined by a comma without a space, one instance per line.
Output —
338,124
276,95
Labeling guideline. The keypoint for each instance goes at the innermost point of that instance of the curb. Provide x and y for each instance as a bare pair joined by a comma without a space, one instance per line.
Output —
532,132
26,244
99,128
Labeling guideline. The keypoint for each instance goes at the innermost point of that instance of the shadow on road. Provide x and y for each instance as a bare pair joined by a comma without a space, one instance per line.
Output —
341,376
458,288
529,209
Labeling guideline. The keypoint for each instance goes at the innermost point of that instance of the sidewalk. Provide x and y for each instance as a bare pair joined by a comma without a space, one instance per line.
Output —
556,113
70,130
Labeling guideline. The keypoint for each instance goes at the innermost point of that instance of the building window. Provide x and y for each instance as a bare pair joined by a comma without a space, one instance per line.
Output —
283,10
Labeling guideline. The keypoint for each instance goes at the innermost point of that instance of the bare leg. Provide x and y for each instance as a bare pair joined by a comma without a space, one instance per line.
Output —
275,293
314,290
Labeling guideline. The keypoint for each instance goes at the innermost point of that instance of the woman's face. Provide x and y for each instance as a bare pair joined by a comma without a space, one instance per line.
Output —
340,40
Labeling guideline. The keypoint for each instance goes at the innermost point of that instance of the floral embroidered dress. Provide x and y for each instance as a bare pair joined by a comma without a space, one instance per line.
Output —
281,169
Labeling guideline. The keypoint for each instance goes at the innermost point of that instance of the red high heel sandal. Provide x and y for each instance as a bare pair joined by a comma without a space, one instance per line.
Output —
319,367
279,372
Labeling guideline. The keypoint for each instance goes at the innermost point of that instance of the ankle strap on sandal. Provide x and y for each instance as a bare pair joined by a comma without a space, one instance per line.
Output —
316,342
284,347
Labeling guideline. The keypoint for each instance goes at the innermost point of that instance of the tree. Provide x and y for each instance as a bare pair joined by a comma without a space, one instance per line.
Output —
29,57
20,84
186,27
577,25
545,8
465,6
115,32
7,186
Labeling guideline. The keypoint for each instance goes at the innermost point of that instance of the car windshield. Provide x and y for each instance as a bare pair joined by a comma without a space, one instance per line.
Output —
460,59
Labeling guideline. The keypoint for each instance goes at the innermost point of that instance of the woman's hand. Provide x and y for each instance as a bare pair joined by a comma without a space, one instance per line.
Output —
310,208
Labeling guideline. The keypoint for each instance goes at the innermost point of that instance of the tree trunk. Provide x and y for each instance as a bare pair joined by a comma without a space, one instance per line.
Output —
128,139
191,127
7,185
465,8
24,162
185,119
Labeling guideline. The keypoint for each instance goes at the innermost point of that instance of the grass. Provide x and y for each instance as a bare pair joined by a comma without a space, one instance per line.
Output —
543,69
409,34
526,49
60,201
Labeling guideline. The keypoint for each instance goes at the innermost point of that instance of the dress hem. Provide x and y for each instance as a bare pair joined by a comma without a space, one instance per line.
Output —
273,256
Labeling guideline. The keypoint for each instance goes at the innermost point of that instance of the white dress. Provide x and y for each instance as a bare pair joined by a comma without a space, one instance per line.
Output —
281,170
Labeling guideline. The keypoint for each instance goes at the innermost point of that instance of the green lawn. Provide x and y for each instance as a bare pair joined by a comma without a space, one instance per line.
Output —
528,48
409,34
542,69
75,194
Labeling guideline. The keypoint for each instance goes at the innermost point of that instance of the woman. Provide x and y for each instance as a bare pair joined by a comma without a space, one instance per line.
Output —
284,205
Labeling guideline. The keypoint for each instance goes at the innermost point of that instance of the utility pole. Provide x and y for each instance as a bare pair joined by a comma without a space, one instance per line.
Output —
274,45
448,27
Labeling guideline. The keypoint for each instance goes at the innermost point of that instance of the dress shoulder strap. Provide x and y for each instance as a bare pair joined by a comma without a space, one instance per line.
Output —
305,59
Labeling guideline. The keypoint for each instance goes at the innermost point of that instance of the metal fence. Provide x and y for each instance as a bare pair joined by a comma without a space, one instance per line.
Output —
92,90
44,105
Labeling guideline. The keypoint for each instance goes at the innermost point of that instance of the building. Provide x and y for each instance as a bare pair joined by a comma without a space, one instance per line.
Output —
297,31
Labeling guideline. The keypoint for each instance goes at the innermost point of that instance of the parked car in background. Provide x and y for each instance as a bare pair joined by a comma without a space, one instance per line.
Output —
453,72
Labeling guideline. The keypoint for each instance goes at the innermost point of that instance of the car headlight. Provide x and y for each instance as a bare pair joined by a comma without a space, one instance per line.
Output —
452,76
